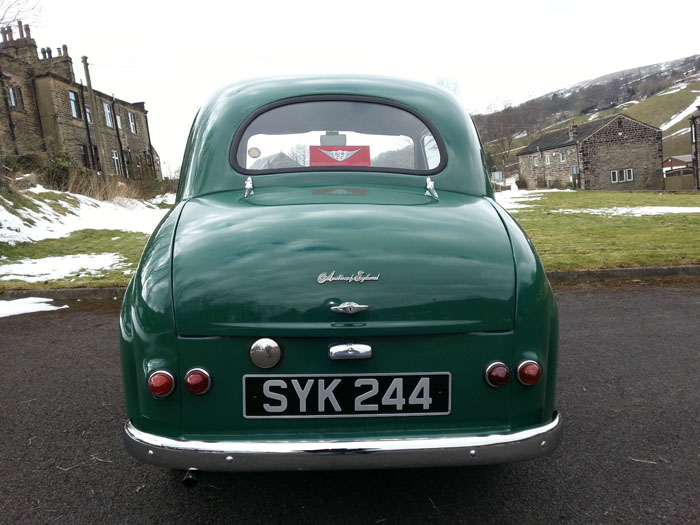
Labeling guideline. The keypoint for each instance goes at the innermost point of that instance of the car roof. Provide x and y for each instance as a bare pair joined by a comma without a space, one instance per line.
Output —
206,167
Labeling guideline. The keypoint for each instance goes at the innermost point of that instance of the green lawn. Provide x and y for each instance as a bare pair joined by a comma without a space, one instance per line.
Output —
128,244
578,241
564,241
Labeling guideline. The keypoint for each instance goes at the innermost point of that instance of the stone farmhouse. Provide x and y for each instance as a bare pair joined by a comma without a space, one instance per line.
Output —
43,109
615,153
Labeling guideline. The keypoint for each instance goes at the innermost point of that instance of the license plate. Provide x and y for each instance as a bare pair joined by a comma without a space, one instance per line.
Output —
346,395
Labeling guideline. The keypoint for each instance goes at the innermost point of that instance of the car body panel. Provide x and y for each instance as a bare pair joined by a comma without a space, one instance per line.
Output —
263,275
451,285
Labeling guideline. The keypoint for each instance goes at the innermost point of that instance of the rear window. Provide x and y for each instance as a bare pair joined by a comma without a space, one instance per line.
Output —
337,135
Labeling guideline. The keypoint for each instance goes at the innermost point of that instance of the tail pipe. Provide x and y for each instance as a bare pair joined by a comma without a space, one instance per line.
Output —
190,479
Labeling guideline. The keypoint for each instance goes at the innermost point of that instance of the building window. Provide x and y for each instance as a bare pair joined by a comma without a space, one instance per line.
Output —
562,156
84,155
74,104
108,115
115,160
96,156
547,159
535,161
626,175
132,123
16,100
88,114
119,121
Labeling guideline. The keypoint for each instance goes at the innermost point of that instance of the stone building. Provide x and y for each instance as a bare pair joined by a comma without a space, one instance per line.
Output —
43,109
615,153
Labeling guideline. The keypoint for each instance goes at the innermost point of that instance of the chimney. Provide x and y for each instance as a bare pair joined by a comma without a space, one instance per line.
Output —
573,130
21,28
65,50
26,31
48,52
4,35
8,29
43,52
58,52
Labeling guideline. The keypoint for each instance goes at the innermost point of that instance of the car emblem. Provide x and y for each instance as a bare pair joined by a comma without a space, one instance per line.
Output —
339,154
358,277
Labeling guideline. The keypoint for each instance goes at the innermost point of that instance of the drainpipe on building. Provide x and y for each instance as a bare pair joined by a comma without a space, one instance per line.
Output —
694,121
150,147
93,101
119,138
9,111
91,155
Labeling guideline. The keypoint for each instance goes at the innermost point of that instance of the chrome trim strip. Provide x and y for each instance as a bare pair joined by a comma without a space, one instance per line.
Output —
350,351
326,455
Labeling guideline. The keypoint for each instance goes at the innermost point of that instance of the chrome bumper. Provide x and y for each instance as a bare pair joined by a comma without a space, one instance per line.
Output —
245,456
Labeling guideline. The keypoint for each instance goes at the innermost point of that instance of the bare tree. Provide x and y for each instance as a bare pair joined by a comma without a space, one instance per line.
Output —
300,153
13,10
449,84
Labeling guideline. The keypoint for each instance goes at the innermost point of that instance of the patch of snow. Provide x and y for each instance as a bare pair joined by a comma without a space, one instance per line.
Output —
679,132
628,103
68,266
594,116
115,238
516,199
165,198
520,135
636,211
674,89
130,215
680,116
40,189
26,306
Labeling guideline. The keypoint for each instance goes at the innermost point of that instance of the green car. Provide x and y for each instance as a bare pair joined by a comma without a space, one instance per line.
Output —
336,288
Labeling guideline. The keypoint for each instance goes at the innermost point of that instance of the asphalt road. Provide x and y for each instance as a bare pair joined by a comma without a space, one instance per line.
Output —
629,381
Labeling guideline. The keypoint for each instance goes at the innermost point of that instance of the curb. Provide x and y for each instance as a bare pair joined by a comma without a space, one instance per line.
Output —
644,273
115,293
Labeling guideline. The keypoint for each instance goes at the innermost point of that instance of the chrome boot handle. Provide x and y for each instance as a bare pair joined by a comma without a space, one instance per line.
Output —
350,351
350,308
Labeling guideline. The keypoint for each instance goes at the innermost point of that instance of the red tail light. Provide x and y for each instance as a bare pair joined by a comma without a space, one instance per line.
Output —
497,374
529,373
161,383
197,381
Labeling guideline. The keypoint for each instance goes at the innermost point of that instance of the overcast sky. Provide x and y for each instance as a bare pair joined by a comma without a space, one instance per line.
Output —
172,55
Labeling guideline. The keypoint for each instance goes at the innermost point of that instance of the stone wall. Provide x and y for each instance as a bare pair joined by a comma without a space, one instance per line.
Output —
553,169
622,144
20,128
45,120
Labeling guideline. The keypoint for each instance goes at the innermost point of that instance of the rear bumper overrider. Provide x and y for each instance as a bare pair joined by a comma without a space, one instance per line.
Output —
243,456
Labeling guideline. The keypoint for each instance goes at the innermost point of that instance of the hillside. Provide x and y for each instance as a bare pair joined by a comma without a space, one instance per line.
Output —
662,95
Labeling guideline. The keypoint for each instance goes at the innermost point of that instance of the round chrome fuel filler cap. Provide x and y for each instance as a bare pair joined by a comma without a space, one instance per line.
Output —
265,353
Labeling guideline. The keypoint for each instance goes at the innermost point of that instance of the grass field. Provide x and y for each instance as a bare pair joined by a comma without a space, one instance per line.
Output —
565,241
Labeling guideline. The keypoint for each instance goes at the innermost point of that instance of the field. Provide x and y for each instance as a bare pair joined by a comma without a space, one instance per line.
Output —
571,230
568,239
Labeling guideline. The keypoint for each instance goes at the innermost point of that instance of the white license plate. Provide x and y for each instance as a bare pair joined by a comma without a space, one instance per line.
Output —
346,395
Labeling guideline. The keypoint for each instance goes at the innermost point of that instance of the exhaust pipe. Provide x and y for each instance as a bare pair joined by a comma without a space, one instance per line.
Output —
190,479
